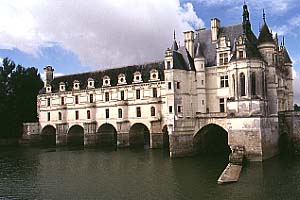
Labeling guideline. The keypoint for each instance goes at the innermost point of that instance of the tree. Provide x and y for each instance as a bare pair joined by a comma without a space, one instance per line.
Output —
296,107
19,87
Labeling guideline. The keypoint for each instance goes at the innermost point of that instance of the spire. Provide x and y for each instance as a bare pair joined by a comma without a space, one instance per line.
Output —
265,34
283,41
264,15
246,19
174,45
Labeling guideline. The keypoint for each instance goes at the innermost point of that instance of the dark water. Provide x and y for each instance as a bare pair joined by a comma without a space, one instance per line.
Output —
32,173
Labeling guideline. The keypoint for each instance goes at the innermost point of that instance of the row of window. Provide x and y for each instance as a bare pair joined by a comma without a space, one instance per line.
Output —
120,113
170,85
224,83
106,80
106,96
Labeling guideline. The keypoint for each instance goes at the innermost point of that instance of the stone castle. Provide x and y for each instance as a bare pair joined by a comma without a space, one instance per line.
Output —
225,87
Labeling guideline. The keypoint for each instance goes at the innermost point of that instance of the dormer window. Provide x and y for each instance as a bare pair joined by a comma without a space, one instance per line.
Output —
106,81
76,85
91,83
137,77
48,88
153,75
223,58
62,86
121,79
241,54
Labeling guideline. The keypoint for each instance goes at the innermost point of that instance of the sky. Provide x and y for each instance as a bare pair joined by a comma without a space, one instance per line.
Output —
76,36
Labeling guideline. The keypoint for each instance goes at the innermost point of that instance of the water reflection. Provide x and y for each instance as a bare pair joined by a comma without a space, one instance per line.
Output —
72,173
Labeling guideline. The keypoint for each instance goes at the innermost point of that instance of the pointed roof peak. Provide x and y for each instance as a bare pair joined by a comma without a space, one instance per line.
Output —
174,45
264,15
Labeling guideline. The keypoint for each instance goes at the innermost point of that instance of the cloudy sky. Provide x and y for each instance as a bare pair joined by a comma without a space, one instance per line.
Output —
76,36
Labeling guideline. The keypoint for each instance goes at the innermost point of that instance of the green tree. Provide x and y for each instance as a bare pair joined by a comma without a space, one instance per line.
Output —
19,87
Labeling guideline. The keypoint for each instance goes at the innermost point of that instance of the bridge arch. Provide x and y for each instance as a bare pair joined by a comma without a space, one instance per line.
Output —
211,139
139,135
75,135
48,135
107,135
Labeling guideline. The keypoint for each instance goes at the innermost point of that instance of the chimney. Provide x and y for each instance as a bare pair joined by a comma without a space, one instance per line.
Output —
189,42
48,70
215,26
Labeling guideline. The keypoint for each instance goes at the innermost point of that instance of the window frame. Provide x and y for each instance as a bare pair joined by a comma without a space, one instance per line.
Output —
138,112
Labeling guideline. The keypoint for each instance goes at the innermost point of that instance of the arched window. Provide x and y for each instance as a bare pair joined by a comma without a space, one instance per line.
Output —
88,114
233,84
59,116
253,83
242,84
152,111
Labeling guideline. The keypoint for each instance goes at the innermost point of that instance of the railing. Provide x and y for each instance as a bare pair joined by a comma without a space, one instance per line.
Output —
211,115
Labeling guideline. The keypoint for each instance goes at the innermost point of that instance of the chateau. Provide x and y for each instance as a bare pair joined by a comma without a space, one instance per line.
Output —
225,87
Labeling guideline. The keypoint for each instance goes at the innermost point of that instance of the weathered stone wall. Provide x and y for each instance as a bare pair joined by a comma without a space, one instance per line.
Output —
270,137
31,134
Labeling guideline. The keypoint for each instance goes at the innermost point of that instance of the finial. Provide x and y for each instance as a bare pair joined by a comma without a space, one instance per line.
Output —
174,35
264,15
244,2
282,40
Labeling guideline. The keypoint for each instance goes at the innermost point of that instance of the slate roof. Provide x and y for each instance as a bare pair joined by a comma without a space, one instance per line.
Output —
286,57
113,73
209,49
183,60
265,35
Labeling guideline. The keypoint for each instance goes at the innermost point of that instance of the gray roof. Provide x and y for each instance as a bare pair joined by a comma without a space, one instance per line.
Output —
209,49
113,73
183,60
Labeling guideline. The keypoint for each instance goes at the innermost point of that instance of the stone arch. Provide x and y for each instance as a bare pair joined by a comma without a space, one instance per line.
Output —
166,142
139,136
48,135
211,139
107,135
75,135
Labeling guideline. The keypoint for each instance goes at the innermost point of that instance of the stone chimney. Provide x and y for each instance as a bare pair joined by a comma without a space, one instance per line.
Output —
189,42
215,26
48,70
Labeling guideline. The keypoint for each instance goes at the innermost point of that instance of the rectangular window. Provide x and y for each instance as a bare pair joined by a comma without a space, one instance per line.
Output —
120,113
223,58
168,65
138,94
154,92
59,116
107,113
224,81
202,82
222,105
152,111
178,85
179,109
76,114
88,114
122,95
138,112
48,116
241,54
170,109
169,85
106,96
91,98
76,99
62,101
48,102
202,102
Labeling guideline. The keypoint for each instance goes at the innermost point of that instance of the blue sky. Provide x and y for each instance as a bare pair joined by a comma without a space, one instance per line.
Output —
76,36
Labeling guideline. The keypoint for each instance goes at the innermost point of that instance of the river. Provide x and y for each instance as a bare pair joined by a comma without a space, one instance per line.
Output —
64,173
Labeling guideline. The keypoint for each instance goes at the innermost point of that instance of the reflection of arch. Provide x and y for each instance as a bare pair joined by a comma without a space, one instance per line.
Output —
139,136
211,139
107,135
48,135
166,143
283,142
75,135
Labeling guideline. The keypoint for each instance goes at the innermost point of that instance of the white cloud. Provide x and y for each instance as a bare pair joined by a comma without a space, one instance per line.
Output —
102,33
292,27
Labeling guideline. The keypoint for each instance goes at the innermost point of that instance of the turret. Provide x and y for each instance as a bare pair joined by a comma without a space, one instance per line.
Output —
48,71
